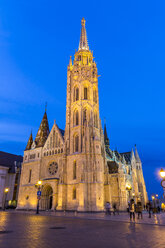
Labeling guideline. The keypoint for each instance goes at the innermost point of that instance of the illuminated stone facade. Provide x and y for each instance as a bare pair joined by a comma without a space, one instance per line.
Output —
77,168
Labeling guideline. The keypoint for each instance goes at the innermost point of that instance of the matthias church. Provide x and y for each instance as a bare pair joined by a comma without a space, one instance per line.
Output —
77,168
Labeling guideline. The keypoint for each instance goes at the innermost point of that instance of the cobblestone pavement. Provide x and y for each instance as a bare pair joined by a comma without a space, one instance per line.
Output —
20,229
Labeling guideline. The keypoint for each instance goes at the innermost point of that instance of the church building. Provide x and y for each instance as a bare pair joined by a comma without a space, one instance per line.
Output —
78,170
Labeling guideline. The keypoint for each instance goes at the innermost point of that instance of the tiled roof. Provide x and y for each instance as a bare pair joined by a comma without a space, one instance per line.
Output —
10,160
118,156
43,132
127,156
109,152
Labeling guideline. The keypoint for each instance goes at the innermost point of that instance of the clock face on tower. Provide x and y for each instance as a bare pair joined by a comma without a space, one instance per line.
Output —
53,168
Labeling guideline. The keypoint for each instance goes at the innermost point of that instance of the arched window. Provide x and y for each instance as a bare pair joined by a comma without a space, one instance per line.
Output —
76,143
74,169
76,94
75,118
84,116
74,194
95,96
85,93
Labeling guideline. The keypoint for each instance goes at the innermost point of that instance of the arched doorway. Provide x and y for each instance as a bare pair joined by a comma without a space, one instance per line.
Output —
47,197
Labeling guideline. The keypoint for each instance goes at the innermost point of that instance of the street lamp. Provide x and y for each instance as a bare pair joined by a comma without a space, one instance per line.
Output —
38,186
128,188
162,173
6,190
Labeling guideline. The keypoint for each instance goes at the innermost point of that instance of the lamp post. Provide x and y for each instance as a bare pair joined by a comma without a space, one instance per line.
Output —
5,192
162,174
38,186
128,188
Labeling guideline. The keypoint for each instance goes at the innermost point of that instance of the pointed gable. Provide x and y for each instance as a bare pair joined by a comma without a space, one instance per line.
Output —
30,142
55,138
43,132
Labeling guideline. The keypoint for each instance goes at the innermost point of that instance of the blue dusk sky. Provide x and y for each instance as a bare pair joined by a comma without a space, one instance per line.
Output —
128,41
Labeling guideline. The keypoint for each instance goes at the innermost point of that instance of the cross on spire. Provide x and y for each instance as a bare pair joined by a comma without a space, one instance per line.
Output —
83,44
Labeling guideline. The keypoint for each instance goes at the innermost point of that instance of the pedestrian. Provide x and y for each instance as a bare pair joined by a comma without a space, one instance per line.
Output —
114,208
158,209
132,209
139,209
149,208
107,208
128,207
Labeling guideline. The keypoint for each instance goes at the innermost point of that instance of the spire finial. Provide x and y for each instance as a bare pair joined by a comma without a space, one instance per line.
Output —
46,106
83,44
70,61
83,22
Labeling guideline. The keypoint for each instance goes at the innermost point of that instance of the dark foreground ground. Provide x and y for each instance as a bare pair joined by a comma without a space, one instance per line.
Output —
21,230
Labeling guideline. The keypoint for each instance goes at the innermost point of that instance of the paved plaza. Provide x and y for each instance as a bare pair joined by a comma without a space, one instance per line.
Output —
20,229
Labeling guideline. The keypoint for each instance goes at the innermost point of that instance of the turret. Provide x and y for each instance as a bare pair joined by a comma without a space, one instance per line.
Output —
30,142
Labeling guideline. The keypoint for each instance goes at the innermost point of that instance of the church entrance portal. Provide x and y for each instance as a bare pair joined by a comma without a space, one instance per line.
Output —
47,197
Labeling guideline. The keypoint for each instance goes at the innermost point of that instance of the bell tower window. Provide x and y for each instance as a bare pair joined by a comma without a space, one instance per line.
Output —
76,94
76,143
76,118
85,93
74,194
74,170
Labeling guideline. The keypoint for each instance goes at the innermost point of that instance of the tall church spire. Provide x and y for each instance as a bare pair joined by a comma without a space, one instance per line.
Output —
83,44
43,132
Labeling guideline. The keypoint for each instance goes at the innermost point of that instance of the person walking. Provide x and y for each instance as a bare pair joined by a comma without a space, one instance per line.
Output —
132,209
149,209
114,208
139,209
107,208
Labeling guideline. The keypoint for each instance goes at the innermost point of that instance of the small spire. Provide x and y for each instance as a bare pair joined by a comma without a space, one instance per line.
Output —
106,140
83,44
137,155
70,61
30,141
123,159
46,106
132,154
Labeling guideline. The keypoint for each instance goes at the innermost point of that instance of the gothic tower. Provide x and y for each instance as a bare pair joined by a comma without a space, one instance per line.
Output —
83,132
